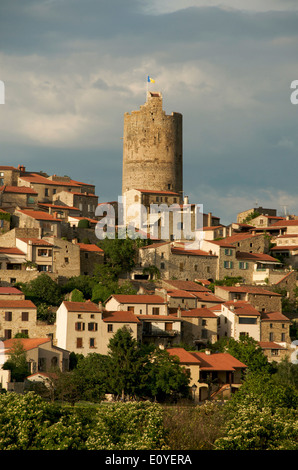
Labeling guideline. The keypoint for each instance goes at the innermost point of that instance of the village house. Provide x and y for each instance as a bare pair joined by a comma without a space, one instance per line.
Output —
176,261
260,298
199,326
12,197
8,175
45,222
86,202
242,216
211,375
41,356
90,256
139,304
83,327
11,293
264,266
17,316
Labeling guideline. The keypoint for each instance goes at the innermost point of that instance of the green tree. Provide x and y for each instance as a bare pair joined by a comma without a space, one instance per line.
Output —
128,426
125,363
43,289
77,296
92,373
83,283
17,362
246,350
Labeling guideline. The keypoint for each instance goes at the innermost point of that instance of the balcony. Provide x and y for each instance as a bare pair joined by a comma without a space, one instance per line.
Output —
160,333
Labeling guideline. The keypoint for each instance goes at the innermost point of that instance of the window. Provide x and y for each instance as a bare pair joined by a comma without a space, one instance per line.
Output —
247,321
54,191
79,326
66,260
228,264
283,337
274,352
155,311
79,342
162,265
25,332
181,267
110,328
7,334
25,316
86,255
243,265
204,334
228,252
204,322
92,342
8,316
92,326
46,192
271,337
196,267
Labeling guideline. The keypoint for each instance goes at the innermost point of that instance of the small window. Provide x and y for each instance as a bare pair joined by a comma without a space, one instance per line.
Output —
79,342
110,328
92,342
25,316
8,316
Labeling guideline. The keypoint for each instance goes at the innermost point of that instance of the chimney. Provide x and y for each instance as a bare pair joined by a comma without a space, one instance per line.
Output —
209,224
179,312
208,352
186,200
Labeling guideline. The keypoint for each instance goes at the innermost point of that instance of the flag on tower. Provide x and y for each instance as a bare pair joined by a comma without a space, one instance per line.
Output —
150,80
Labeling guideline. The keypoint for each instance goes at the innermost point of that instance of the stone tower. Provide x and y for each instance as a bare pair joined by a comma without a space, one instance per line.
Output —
152,148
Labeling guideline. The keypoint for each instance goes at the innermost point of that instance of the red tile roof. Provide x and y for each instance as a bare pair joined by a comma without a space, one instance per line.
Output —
270,345
190,286
11,250
56,206
180,293
256,257
240,307
27,343
154,245
274,316
3,167
208,297
139,299
284,248
10,290
184,251
17,304
35,241
120,317
163,318
39,215
215,362
81,306
35,178
218,361
284,223
249,289
18,189
90,247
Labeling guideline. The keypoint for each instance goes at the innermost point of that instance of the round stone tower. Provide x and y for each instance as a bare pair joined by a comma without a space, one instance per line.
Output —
152,148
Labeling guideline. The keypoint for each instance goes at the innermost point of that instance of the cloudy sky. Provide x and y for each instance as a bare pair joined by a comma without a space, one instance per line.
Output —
72,68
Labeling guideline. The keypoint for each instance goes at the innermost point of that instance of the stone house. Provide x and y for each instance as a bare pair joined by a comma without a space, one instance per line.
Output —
237,318
83,327
161,330
258,297
86,202
275,327
274,351
17,316
8,175
11,293
241,216
265,267
139,304
176,262
12,197
199,326
211,375
45,222
41,355
90,256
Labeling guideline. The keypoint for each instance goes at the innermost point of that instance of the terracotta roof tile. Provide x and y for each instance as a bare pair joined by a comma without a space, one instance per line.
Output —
27,343
120,317
38,215
139,299
270,345
18,189
17,304
90,247
81,306
190,286
274,316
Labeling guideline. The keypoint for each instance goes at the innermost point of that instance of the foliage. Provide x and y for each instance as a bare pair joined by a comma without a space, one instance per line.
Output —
103,290
84,223
226,281
29,423
250,217
77,296
246,350
261,416
128,426
193,428
82,283
42,289
17,362
45,313
152,271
